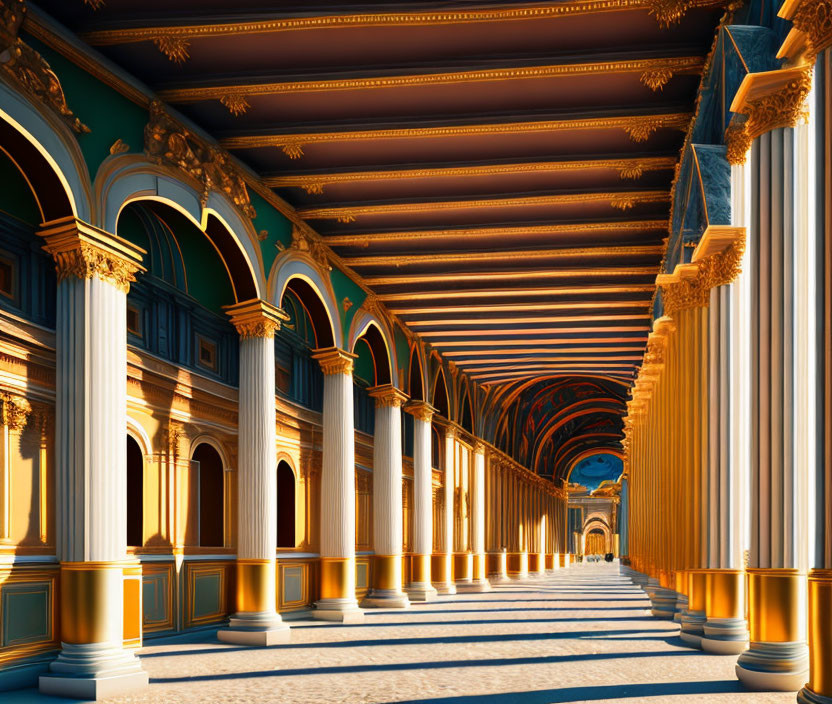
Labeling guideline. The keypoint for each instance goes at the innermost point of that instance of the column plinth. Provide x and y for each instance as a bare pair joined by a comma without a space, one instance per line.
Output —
725,631
337,602
778,656
420,587
693,618
94,271
819,688
256,621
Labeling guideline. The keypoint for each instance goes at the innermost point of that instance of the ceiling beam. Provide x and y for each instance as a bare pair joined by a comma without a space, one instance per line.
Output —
595,272
490,293
534,331
511,308
638,127
530,319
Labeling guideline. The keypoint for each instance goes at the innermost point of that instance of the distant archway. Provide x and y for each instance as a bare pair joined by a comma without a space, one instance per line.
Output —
211,495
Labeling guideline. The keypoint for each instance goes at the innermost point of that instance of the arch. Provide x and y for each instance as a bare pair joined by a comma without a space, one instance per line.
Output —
314,293
415,383
125,179
135,492
380,349
211,493
439,396
599,526
46,150
466,413
286,505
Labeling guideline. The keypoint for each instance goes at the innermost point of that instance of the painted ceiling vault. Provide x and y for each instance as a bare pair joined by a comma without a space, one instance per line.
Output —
499,174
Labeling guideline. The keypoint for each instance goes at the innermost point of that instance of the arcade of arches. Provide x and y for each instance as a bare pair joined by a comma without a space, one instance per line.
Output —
344,306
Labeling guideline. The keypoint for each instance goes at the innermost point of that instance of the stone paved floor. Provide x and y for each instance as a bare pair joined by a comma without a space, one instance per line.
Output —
583,635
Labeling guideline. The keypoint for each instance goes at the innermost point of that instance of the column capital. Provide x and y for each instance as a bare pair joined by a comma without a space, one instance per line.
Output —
255,318
421,410
83,251
479,447
388,395
765,101
16,410
334,360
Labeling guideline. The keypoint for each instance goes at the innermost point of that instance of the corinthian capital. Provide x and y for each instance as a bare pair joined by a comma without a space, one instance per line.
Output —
255,318
387,396
85,252
334,360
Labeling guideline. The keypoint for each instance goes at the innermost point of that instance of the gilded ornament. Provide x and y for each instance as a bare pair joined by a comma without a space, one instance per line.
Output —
334,361
640,131
16,410
313,188
784,107
94,4
119,147
174,47
388,396
814,18
168,142
255,318
292,150
262,235
305,241
346,303
346,219
656,78
236,103
88,261
421,411
668,12
631,171
28,69
622,203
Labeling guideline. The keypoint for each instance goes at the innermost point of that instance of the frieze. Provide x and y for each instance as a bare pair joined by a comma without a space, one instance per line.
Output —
16,411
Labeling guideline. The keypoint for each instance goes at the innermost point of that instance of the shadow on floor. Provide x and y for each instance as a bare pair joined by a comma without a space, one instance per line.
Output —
591,693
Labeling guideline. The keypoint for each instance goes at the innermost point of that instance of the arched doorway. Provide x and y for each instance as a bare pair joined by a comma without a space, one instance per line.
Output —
285,506
211,495
135,493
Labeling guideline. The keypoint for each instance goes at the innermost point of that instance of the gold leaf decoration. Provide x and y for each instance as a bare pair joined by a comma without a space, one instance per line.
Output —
641,131
622,203
668,12
119,147
631,171
346,218
814,17
263,235
293,151
656,78
313,188
170,143
175,48
236,104
94,4
346,304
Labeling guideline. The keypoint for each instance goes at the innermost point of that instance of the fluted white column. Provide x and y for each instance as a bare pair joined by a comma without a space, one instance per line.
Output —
420,587
387,500
94,274
256,621
478,583
443,578
337,602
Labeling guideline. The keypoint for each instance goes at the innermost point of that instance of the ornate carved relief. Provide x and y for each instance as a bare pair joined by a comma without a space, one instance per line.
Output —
28,69
16,410
304,241
168,142
89,261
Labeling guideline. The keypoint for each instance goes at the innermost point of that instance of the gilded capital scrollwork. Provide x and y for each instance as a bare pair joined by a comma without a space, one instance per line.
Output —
811,26
16,410
334,360
168,142
420,410
764,102
388,396
255,318
28,69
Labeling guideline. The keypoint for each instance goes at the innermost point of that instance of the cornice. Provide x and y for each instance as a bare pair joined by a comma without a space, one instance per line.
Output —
388,396
421,410
522,307
638,127
627,169
654,73
811,31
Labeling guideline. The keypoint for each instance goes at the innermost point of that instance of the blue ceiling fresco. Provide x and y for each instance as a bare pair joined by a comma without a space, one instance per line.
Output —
591,471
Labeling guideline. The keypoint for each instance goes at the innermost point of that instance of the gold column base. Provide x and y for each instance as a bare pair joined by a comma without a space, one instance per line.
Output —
564,559
255,585
724,592
535,563
420,569
479,567
681,581
549,563
820,636
387,572
462,566
338,578
517,564
696,590
92,602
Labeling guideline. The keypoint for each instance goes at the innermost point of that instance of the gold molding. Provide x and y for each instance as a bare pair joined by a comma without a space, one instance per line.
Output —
502,256
28,70
510,275
475,365
638,127
388,396
811,31
660,9
365,240
534,331
304,239
469,355
514,307
255,318
334,360
765,101
654,73
531,319
627,169
350,213
83,251
509,345
512,292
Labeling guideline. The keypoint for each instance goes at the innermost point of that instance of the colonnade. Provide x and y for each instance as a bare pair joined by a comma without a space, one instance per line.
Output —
727,436
95,270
